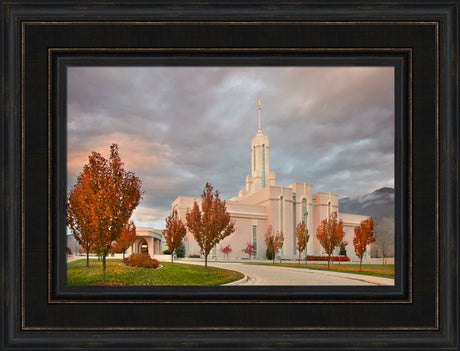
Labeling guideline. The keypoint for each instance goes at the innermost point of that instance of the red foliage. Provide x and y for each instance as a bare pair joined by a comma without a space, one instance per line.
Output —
274,242
326,258
115,248
174,233
141,260
212,223
302,237
127,237
101,202
330,234
226,250
364,235
249,249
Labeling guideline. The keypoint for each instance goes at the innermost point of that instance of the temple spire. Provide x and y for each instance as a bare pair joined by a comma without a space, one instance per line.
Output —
260,128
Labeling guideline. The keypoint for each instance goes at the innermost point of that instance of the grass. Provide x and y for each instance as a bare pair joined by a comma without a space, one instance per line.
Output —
169,274
376,270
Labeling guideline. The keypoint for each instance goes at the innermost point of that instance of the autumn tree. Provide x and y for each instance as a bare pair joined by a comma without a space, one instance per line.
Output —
226,250
79,216
330,234
115,248
364,235
274,242
302,239
249,249
212,223
174,233
102,201
127,237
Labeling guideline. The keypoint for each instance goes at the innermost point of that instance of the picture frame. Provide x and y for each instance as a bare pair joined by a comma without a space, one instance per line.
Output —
40,39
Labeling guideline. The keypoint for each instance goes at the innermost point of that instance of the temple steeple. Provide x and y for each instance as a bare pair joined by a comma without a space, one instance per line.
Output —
260,176
260,128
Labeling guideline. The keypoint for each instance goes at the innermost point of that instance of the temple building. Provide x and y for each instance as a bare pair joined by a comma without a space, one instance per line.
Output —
263,203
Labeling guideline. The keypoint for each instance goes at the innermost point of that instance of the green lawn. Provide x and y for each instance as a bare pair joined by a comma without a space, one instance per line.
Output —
169,274
376,270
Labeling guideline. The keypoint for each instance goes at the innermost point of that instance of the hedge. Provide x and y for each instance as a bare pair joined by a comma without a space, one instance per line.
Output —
325,258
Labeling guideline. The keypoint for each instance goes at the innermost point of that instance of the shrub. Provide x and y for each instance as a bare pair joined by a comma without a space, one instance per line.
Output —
180,252
141,260
166,252
194,256
269,255
324,258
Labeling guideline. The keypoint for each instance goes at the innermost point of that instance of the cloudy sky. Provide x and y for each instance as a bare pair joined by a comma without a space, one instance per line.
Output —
180,127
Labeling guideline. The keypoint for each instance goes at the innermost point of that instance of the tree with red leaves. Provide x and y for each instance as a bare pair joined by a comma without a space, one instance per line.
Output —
364,235
174,233
127,237
274,242
226,250
330,234
249,249
302,239
79,215
212,223
115,248
102,201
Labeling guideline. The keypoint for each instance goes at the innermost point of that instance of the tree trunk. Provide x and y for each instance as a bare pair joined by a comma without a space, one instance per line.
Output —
360,263
383,259
206,262
172,256
299,258
124,254
328,261
87,258
103,269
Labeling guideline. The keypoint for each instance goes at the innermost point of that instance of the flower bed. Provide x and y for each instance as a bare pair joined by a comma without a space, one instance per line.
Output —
324,258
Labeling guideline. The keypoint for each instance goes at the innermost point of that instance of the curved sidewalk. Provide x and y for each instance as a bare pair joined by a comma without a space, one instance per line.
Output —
275,275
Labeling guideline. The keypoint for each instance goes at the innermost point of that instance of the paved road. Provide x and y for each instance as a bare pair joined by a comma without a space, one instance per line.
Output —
272,275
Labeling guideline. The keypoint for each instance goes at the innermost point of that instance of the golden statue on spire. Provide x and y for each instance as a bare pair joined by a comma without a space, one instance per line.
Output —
258,101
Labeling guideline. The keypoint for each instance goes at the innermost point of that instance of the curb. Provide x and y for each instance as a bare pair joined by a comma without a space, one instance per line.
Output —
237,282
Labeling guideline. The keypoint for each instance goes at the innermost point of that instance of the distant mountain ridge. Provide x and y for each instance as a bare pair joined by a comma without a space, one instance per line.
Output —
378,204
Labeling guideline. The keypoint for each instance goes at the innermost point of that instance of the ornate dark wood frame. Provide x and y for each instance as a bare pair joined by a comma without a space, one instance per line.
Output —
42,38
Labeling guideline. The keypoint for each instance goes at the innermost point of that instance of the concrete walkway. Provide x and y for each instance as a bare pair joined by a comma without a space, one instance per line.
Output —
274,275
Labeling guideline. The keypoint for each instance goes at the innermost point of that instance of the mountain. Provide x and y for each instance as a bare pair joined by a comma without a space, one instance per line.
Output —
378,204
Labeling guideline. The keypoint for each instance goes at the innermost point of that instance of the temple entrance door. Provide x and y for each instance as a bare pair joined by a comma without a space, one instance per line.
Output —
143,247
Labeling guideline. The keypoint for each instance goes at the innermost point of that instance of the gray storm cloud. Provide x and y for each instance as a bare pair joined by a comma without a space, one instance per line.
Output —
179,127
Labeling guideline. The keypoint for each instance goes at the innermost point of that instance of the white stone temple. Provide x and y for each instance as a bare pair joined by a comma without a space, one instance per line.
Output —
263,203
